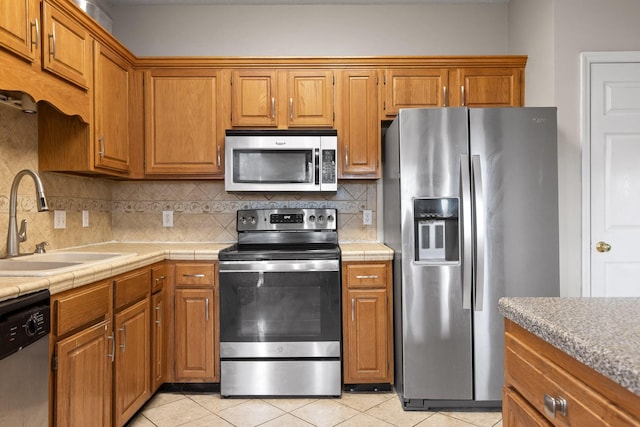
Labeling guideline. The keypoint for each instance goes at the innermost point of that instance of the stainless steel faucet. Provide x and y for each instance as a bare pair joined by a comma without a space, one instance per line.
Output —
14,237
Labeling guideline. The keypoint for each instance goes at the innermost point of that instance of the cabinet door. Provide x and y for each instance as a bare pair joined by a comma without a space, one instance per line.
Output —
517,412
414,88
132,371
67,46
181,122
310,98
20,27
194,335
365,315
358,125
253,98
83,378
158,341
111,109
488,87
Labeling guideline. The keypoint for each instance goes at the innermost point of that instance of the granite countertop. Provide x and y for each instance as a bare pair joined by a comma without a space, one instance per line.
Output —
602,333
149,253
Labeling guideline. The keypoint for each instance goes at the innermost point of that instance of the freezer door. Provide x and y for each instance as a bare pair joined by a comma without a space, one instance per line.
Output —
515,171
436,330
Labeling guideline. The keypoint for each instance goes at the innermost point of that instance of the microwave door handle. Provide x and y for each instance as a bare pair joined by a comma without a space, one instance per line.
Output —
317,166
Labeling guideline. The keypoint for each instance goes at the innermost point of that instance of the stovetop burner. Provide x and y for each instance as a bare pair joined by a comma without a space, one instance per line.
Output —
271,252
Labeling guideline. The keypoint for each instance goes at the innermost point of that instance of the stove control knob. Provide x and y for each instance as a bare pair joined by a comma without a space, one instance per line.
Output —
312,218
243,220
321,218
330,218
253,220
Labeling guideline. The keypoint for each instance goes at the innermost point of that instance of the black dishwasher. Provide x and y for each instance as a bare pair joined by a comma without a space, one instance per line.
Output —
24,360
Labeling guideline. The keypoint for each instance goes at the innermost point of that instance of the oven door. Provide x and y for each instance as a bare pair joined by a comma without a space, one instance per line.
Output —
276,302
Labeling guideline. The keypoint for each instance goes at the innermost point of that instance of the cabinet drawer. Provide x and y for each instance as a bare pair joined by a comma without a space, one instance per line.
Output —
85,306
366,275
158,277
131,288
535,377
194,274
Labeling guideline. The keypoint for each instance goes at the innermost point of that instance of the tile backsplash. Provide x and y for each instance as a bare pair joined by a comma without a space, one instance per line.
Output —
203,211
132,210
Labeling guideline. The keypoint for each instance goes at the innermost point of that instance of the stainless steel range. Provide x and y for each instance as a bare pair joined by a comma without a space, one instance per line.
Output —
280,321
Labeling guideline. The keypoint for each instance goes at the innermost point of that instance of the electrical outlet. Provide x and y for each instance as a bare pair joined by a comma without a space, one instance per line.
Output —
367,217
167,218
85,218
59,219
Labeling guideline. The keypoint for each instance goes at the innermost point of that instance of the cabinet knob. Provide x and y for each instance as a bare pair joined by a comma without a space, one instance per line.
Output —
553,404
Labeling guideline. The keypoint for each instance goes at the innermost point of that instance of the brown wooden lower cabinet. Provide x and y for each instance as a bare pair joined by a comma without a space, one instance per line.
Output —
195,332
101,351
367,323
132,385
538,374
83,377
194,335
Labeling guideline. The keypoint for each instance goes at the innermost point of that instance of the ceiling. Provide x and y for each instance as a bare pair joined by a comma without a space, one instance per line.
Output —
319,2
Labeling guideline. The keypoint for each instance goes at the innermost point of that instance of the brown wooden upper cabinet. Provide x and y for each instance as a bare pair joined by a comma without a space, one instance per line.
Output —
414,88
487,87
20,28
63,43
282,98
66,46
358,124
182,115
112,83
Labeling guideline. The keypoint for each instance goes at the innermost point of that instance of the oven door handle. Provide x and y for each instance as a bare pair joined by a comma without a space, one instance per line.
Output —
279,266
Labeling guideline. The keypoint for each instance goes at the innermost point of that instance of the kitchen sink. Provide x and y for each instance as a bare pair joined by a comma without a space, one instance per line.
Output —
74,257
56,262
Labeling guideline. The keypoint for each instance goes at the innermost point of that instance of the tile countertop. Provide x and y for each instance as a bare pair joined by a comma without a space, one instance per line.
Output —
602,333
149,253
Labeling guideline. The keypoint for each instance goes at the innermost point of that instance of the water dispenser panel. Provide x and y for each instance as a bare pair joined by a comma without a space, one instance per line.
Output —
436,230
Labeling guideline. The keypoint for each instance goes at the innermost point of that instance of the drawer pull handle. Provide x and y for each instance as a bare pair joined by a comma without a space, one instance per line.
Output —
199,276
160,279
375,276
158,314
551,405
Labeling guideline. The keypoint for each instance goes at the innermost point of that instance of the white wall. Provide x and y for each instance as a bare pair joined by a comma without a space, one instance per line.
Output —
531,33
312,30
581,25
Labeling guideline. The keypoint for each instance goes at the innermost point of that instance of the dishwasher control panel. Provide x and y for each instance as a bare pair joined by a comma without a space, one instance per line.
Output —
23,321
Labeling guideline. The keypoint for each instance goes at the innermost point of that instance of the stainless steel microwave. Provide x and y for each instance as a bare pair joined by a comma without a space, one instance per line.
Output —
281,160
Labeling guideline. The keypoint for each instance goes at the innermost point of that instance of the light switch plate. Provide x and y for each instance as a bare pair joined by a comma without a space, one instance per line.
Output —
59,219
367,217
85,218
167,218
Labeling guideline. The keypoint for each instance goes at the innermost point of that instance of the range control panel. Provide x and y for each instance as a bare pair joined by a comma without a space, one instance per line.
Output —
287,219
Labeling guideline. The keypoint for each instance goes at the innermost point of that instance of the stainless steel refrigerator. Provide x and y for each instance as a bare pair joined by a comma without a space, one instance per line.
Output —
471,211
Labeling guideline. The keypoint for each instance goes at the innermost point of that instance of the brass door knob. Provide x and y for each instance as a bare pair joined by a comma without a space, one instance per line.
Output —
603,247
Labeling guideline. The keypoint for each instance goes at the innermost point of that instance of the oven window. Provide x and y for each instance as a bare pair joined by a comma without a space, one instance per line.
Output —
272,166
270,307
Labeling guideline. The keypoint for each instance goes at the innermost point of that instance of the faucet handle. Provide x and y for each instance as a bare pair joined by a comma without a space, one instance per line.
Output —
40,247
22,234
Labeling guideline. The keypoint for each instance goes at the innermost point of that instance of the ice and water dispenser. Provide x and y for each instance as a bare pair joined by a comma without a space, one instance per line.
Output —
436,230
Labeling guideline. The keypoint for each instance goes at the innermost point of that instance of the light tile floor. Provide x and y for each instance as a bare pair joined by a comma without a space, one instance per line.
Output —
351,410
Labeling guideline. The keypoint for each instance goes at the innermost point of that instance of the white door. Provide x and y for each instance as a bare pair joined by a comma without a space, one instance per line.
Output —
615,179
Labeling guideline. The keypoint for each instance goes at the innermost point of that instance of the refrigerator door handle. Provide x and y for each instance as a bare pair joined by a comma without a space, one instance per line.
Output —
479,226
467,232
